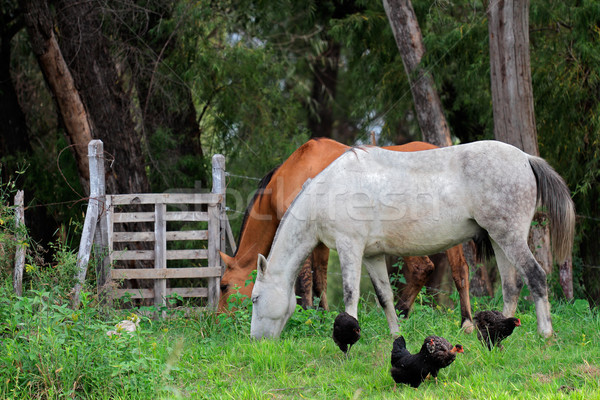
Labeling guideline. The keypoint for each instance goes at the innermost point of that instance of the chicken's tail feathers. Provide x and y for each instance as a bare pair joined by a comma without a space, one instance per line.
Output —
399,350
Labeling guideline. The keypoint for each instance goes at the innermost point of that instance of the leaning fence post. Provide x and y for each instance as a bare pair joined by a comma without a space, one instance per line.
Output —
20,256
96,162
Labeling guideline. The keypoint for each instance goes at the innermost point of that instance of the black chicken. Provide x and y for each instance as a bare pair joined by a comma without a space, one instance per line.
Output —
412,369
493,327
346,331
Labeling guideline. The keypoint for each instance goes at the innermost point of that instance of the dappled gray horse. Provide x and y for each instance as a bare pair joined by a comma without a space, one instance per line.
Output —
370,202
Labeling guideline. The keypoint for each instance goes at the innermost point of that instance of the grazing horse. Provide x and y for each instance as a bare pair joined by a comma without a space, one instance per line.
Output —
276,192
370,202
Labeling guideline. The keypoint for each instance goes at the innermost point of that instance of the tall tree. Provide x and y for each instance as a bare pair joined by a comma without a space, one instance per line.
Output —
409,39
13,134
512,91
325,74
428,107
109,105
40,25
512,101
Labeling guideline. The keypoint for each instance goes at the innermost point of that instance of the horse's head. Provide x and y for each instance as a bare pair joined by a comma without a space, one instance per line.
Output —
273,302
236,279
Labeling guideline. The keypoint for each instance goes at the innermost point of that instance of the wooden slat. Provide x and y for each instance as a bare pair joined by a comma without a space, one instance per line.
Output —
166,273
166,198
187,235
133,255
135,293
187,254
149,236
133,236
192,216
149,293
200,254
186,216
133,217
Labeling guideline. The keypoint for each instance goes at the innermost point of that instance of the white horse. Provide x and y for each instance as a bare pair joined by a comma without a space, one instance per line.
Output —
370,202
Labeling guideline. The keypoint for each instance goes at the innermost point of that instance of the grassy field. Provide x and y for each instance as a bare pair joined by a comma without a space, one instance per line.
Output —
49,351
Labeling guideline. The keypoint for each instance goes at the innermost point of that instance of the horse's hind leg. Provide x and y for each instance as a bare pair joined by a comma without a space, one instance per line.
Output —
381,283
511,281
320,257
460,274
535,277
304,284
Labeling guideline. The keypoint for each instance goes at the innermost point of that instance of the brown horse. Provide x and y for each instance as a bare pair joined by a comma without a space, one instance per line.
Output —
276,192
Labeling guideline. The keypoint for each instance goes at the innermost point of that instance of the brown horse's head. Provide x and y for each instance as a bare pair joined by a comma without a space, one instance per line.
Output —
234,281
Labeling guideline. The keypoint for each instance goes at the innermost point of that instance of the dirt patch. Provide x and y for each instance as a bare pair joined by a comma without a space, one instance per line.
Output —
546,378
587,369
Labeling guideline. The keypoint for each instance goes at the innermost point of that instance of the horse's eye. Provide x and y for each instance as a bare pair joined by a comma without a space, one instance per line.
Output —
224,288
254,298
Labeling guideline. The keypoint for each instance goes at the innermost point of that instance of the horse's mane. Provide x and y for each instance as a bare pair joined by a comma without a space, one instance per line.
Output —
288,212
259,192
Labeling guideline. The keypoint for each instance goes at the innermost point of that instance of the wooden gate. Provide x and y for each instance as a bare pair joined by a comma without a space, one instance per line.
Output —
187,229
198,231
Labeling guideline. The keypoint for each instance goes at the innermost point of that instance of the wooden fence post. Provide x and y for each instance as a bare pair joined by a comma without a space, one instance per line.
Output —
218,213
218,176
20,256
100,251
96,162
214,290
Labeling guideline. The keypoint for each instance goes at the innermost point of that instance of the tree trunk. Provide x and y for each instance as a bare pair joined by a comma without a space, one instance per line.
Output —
428,106
325,72
86,50
512,93
13,134
512,101
56,72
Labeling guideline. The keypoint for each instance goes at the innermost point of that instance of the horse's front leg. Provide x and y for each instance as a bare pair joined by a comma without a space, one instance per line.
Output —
381,283
350,264
460,274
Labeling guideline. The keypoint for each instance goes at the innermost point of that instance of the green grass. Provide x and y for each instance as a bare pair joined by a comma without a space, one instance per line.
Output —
49,351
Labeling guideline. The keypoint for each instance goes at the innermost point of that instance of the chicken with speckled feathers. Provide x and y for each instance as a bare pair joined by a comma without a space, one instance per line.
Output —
493,327
346,331
412,369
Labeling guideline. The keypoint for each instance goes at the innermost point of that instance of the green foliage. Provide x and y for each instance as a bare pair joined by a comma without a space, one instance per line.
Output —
50,351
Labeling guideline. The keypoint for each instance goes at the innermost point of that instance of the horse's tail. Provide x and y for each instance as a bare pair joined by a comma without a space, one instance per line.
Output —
554,195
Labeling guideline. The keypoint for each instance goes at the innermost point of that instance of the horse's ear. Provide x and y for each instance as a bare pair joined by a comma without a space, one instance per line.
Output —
261,265
226,259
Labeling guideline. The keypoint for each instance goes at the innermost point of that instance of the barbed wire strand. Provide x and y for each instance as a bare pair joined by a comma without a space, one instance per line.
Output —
242,176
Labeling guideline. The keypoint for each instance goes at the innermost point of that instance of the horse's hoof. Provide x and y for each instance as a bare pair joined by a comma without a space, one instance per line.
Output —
403,312
547,335
468,326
